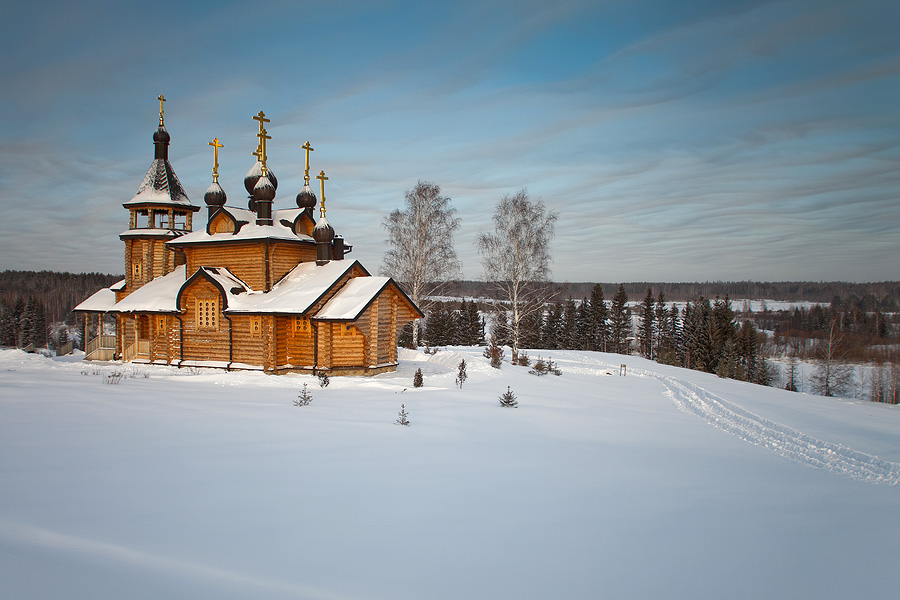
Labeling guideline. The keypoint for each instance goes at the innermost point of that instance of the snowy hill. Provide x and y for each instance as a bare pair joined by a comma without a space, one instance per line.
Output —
663,483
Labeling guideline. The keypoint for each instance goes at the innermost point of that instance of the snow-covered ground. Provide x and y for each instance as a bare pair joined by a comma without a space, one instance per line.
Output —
663,483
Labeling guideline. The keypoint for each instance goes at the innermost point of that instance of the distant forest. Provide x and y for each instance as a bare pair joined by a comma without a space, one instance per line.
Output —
886,293
58,292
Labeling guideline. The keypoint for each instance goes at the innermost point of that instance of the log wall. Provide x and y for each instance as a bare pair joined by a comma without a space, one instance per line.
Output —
203,344
245,260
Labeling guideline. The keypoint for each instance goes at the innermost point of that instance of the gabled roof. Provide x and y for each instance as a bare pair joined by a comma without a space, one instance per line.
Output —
352,299
101,300
229,284
297,292
157,295
161,186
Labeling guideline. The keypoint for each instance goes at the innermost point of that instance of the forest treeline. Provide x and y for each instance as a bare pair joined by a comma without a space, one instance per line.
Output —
58,292
887,293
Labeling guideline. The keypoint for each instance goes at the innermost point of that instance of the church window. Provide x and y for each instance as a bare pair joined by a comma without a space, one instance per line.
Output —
207,314
160,323
301,325
136,270
256,325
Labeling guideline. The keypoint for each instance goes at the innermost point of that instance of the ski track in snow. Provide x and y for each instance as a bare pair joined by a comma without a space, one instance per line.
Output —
781,439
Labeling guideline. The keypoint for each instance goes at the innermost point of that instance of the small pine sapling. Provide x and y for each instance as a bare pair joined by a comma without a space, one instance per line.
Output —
323,379
553,368
304,398
508,399
539,368
461,375
418,380
494,353
403,418
523,361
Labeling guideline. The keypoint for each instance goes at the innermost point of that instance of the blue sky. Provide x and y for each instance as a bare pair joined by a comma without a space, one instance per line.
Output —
678,141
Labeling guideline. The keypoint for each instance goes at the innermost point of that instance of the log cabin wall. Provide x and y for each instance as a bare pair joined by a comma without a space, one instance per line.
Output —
285,256
247,260
160,341
385,328
294,346
205,328
250,337
348,345
324,341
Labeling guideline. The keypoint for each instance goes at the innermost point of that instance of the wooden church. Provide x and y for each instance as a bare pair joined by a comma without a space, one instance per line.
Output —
254,288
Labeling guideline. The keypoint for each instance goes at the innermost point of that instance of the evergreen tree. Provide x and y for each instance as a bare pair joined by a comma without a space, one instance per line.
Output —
568,338
418,380
722,329
748,351
583,326
648,317
552,327
500,330
620,327
598,339
461,374
663,328
793,374
508,399
8,325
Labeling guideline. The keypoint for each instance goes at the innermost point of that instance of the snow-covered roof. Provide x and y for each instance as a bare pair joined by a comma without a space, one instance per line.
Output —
157,231
100,301
161,186
231,284
158,295
356,295
249,230
296,293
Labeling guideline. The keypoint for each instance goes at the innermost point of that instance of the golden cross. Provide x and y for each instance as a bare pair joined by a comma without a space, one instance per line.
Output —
322,178
216,145
308,149
262,135
258,152
261,149
161,100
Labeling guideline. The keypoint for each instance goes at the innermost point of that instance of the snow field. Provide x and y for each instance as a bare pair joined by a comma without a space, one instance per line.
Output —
205,484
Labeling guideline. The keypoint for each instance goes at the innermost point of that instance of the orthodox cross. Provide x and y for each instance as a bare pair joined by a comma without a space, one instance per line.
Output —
322,178
261,150
216,145
262,135
161,100
308,149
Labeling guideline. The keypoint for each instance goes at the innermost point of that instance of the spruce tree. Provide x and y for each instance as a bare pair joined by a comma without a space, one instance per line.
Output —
620,327
508,399
648,316
663,328
598,338
569,333
461,374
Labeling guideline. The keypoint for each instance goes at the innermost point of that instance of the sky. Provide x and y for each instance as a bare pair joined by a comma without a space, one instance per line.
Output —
677,141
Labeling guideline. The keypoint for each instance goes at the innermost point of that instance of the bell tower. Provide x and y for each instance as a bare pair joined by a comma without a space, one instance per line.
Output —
159,212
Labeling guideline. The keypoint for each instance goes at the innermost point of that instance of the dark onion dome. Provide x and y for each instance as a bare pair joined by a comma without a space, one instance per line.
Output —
323,232
264,190
215,195
306,198
253,176
161,136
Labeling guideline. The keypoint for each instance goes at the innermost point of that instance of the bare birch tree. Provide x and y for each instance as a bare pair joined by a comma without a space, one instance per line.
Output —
516,257
833,376
421,257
